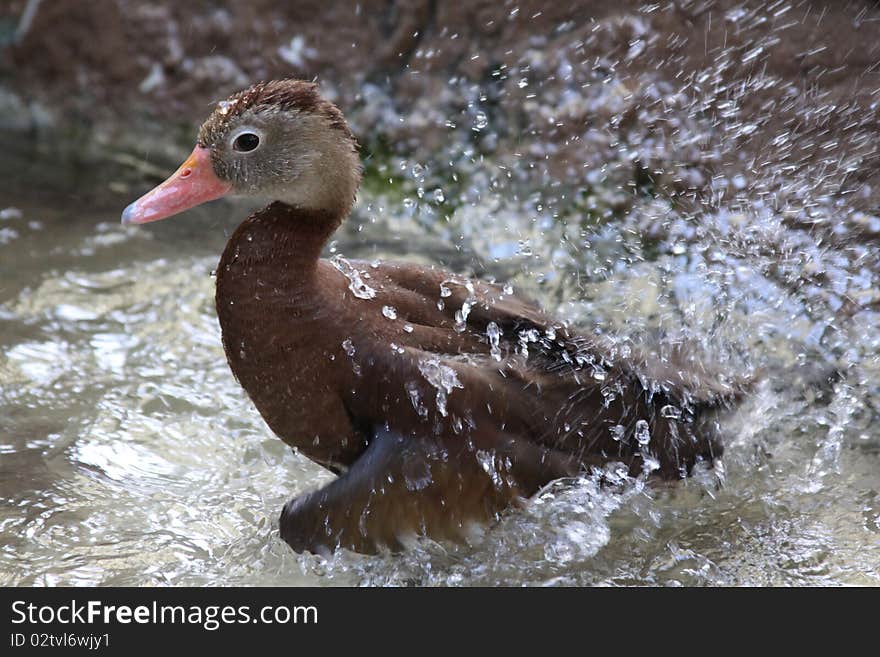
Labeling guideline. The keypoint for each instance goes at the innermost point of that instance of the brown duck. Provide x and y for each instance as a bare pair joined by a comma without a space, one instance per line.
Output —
439,401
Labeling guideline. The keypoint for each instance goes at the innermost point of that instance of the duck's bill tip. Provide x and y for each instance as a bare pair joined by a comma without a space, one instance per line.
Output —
129,215
192,184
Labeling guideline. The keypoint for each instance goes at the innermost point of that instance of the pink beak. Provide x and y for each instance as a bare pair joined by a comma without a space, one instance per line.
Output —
192,184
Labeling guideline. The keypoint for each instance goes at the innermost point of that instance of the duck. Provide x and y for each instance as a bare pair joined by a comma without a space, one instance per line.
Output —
439,401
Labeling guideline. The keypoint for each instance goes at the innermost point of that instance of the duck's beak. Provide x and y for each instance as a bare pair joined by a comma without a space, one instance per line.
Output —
193,183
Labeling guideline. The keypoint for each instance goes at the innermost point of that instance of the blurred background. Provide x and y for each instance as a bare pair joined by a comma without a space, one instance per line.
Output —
700,170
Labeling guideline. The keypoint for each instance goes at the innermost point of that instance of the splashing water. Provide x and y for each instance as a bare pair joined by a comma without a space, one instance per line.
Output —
695,212
643,433
442,377
116,391
494,335
356,283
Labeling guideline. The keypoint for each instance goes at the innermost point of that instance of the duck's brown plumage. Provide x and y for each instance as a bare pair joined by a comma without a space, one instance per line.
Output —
439,401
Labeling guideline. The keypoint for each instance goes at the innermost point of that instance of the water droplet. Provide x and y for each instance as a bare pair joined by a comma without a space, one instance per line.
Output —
415,398
649,464
442,377
643,433
487,462
670,411
494,334
461,316
355,283
480,121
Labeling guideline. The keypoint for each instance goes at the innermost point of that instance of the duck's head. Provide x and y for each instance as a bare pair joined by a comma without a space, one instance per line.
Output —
277,140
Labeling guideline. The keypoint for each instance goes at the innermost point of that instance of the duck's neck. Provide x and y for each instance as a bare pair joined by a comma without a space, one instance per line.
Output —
282,235
272,257
270,303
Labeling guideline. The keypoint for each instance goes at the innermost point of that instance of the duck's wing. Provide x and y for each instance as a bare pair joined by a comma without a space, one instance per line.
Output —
444,299
404,487
470,306
452,315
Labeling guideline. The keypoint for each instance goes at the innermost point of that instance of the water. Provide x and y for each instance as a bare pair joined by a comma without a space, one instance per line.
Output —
130,456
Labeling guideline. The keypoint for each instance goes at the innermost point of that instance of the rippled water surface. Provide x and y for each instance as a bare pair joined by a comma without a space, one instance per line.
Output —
130,456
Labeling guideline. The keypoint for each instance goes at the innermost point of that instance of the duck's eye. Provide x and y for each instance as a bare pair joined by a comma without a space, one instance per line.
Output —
246,141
